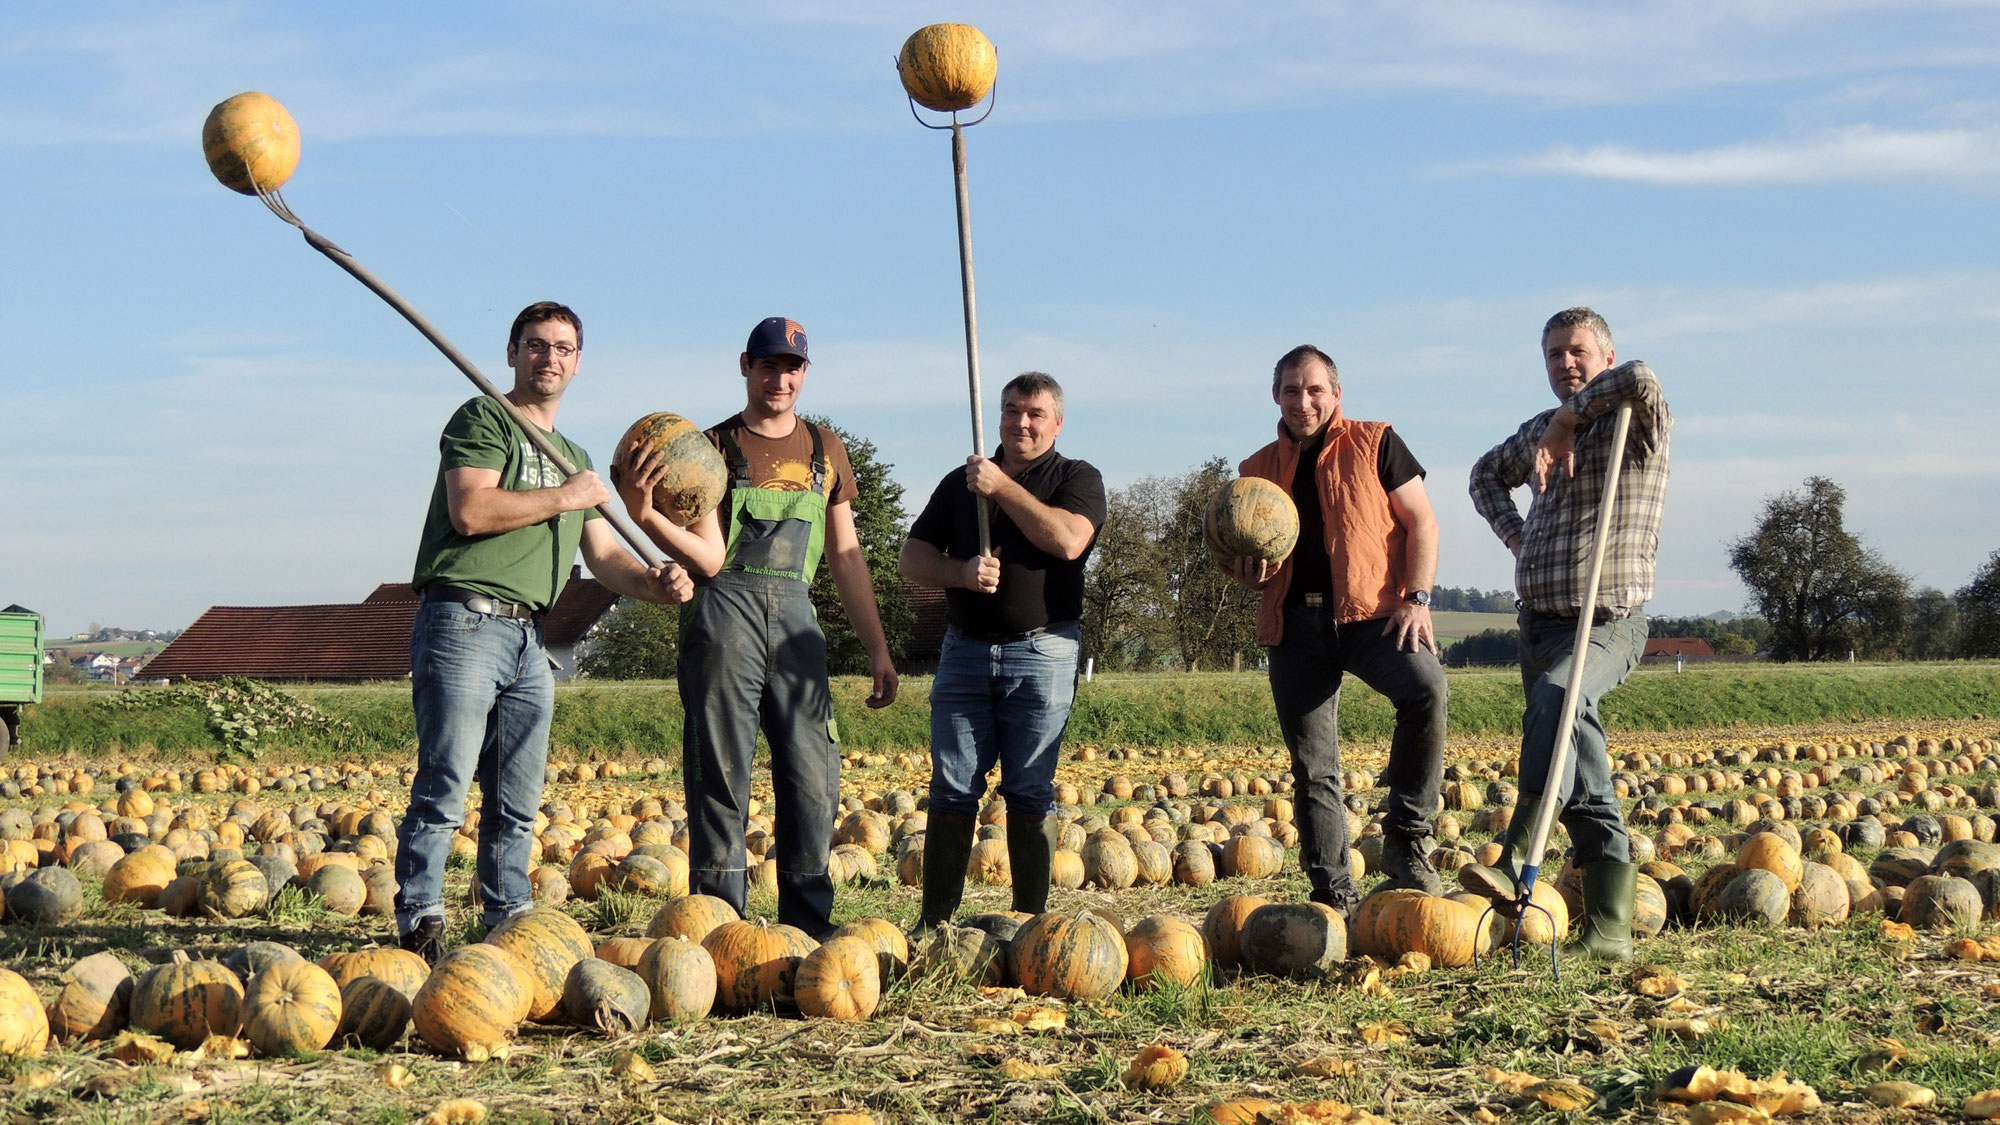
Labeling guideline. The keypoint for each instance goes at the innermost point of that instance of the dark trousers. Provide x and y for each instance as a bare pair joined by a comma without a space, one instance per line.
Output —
1589,802
753,657
1307,667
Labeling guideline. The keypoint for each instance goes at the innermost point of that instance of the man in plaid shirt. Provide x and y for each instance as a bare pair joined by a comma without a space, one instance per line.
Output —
1565,454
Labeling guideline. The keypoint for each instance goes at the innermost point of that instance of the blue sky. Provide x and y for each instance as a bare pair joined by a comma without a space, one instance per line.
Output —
1787,208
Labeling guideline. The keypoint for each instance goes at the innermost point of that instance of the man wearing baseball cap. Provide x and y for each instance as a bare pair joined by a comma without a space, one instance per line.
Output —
752,654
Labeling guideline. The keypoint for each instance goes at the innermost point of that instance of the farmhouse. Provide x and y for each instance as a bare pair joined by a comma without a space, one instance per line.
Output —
365,640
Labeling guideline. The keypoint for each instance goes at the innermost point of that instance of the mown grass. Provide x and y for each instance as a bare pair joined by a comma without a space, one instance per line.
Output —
643,719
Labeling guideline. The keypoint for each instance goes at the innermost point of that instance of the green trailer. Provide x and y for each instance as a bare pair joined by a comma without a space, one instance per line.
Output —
20,669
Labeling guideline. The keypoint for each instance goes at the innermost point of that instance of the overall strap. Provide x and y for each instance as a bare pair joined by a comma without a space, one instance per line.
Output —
819,469
739,465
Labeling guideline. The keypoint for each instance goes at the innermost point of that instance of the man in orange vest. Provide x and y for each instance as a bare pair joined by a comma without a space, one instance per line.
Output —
1354,597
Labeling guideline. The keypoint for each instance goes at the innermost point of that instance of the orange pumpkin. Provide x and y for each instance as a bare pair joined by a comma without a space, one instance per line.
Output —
401,969
756,964
373,1013
692,917
1109,863
473,1000
140,877
251,142
24,1027
550,943
680,976
1441,929
1077,956
1222,928
947,66
892,949
840,980
1164,950
184,1002
1251,518
1252,857
623,952
95,1001
1773,853
694,476
290,1009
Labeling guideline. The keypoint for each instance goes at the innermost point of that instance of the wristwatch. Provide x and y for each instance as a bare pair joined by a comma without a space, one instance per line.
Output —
1420,597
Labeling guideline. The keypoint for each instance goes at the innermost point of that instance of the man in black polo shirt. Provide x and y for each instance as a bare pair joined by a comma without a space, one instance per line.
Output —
1007,674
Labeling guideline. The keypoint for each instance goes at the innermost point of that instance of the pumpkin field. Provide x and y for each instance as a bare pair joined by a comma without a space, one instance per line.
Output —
188,940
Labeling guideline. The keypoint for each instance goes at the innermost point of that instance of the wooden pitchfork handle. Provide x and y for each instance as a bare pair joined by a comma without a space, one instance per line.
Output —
638,542
1566,727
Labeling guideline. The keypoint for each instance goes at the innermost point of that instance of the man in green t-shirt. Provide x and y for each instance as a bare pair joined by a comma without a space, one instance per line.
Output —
502,530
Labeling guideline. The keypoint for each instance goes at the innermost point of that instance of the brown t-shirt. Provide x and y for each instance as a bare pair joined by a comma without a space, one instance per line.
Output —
785,464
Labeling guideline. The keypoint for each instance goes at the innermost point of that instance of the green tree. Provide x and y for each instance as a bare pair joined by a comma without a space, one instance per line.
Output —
635,641
1933,626
1122,588
1824,593
1214,620
880,523
1979,611
1492,646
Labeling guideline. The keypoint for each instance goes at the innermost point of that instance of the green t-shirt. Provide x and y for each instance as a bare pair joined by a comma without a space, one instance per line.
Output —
527,565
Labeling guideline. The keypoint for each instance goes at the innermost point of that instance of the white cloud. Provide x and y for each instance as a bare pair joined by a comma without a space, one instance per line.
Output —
1862,152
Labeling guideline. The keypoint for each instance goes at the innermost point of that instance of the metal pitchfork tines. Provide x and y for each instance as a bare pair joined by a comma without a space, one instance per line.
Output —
1552,784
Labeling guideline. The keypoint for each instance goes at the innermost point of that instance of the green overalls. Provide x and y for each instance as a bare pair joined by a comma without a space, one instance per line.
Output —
752,656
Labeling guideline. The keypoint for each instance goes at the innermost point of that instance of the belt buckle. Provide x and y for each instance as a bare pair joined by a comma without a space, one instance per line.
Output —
1315,601
479,603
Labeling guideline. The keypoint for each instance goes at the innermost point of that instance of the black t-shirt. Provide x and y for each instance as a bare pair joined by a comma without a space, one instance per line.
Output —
1312,571
1036,588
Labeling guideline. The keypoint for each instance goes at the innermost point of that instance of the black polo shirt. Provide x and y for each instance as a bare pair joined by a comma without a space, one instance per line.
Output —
1036,588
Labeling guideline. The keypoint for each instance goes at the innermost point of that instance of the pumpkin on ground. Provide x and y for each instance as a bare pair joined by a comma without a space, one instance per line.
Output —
947,66
1650,907
1251,518
291,1008
1771,852
1821,898
840,980
95,1001
50,896
184,1001
679,976
1161,950
1194,863
1252,857
1441,929
961,953
1222,928
341,890
601,996
1076,956
694,476
247,961
233,888
140,877
373,1013
1535,927
1755,895
623,952
892,949
399,968
24,1027
550,943
473,1000
1110,864
1292,939
251,142
692,917
1941,902
1365,933
756,964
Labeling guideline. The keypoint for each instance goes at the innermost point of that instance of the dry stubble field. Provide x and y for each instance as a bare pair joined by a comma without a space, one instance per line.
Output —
1839,1007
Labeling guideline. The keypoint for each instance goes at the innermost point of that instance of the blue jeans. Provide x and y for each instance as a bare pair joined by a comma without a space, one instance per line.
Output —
1004,704
483,694
1589,802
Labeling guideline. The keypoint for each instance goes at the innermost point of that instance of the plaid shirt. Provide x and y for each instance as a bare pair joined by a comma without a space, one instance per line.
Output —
1561,526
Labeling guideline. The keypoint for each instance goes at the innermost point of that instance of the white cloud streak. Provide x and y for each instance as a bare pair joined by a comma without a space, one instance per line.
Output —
1862,152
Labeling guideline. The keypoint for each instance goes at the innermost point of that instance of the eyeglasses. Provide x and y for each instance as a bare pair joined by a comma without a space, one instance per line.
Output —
537,347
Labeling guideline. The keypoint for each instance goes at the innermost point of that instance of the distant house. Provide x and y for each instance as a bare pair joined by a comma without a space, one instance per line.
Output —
1666,650
365,640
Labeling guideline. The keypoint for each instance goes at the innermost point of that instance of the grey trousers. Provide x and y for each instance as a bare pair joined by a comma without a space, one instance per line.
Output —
1589,805
1307,667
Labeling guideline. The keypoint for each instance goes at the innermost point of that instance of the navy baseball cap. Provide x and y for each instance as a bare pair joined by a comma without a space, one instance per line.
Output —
775,335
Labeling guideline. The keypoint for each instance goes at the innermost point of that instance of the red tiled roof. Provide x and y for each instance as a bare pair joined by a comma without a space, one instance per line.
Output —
367,641
1678,646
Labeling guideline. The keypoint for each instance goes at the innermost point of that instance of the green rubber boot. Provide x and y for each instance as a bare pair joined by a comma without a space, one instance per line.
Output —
947,849
1031,849
1502,881
1609,897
